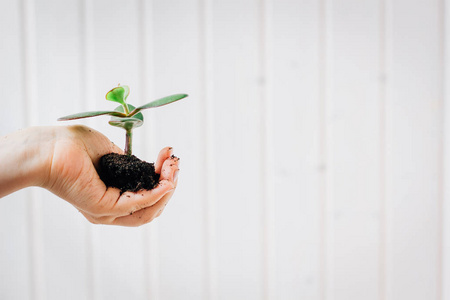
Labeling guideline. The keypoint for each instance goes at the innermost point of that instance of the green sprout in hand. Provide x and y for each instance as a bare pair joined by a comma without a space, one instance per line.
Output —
126,115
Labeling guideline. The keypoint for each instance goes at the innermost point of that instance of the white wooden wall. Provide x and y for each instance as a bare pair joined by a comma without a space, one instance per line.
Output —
315,147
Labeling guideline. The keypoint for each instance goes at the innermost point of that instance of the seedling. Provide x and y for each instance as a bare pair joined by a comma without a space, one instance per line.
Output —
126,115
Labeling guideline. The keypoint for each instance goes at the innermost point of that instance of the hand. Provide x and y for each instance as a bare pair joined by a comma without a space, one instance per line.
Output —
64,160
73,177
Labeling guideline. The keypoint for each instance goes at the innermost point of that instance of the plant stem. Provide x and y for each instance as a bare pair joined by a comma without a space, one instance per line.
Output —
125,108
128,142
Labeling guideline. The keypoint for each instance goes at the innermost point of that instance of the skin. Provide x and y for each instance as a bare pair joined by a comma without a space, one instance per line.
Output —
63,160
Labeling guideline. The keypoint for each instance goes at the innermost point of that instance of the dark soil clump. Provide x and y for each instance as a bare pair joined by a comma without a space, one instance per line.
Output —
127,173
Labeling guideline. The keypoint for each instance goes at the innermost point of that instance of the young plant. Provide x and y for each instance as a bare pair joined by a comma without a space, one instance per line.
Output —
126,115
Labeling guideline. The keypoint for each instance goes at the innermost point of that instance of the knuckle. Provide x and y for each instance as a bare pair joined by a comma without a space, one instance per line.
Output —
166,184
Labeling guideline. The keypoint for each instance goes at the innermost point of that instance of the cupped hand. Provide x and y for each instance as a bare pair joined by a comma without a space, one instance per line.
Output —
72,176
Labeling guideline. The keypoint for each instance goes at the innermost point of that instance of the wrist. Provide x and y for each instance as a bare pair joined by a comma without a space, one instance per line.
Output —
26,158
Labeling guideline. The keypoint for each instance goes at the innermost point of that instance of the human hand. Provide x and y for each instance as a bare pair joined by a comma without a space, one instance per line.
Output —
64,160
73,177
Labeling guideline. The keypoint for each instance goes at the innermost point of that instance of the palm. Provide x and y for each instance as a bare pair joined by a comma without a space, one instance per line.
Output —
75,179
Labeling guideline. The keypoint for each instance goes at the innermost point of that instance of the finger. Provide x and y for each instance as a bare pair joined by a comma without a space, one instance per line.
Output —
103,215
169,195
164,154
144,215
170,168
130,202
114,203
105,205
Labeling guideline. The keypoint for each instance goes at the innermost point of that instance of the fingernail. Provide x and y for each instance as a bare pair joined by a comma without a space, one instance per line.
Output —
175,175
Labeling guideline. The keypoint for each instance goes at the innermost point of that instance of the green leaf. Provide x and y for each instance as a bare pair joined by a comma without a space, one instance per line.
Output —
159,102
91,114
127,123
119,94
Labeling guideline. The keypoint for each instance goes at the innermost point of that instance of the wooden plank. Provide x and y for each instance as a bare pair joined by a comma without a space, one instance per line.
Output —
355,149
34,205
237,111
147,88
209,195
445,282
267,147
414,106
59,51
87,73
118,253
325,133
176,69
15,281
296,152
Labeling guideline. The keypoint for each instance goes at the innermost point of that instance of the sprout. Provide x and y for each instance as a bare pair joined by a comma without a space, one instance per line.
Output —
126,115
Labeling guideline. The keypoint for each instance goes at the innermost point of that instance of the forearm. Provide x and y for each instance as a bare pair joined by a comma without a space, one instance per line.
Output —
25,157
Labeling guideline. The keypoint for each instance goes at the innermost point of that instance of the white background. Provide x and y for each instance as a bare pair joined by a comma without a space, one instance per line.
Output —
314,147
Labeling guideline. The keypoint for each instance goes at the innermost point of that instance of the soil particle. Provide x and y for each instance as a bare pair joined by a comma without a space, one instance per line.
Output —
127,173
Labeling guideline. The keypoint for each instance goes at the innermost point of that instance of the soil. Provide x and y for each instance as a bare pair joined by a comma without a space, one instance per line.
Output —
127,173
